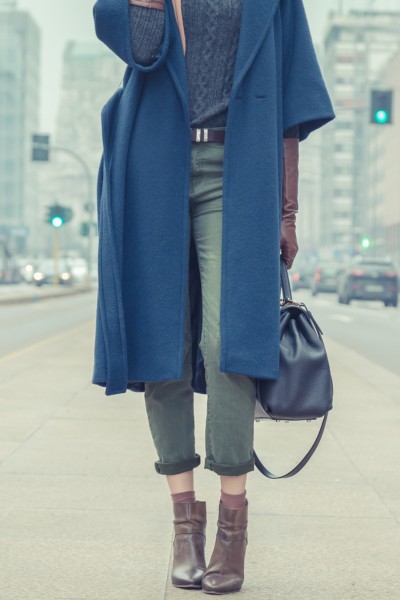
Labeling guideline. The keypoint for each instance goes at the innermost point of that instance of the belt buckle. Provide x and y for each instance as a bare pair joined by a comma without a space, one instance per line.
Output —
198,134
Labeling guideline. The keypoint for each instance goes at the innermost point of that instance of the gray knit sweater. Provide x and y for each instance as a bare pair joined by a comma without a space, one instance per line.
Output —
212,33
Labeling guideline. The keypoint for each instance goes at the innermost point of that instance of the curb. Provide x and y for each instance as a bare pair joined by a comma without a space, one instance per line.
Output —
36,295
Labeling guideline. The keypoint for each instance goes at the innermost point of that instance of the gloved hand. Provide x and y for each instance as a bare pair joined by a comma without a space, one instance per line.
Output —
288,241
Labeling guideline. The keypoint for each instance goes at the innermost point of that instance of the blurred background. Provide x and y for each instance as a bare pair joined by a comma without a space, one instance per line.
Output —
55,76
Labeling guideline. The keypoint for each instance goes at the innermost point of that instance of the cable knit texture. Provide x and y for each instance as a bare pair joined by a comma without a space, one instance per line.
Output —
212,30
147,25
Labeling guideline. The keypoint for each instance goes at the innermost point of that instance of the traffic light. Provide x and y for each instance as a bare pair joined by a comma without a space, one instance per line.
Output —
40,147
365,243
86,227
84,230
381,107
58,215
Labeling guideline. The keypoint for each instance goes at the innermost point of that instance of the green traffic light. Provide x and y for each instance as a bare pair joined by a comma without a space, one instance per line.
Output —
381,116
381,102
58,215
57,221
365,243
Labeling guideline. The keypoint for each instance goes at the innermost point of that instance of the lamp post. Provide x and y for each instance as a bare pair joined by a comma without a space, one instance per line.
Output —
57,216
41,152
89,205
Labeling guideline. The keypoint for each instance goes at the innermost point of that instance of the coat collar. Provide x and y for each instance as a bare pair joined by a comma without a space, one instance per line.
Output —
257,17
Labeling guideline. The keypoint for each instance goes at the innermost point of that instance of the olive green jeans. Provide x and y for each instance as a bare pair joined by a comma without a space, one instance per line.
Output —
231,398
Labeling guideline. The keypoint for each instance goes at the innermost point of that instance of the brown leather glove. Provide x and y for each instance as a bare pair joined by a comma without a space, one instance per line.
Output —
288,241
158,4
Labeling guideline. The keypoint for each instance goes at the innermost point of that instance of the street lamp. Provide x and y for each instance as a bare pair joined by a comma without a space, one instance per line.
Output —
40,152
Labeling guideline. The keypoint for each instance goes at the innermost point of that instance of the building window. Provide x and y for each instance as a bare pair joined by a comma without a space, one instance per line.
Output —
344,148
344,58
341,215
339,192
343,170
344,125
341,238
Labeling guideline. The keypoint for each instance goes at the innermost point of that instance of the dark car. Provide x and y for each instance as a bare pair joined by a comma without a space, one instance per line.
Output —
301,277
325,277
369,279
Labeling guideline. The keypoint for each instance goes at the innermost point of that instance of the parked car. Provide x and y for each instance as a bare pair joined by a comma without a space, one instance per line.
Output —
369,279
45,273
301,277
27,270
325,278
79,269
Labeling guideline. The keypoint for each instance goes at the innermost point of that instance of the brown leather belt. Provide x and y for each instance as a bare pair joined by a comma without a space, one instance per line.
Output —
207,135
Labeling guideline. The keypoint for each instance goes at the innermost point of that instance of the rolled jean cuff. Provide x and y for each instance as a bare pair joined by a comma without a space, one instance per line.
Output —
175,468
221,469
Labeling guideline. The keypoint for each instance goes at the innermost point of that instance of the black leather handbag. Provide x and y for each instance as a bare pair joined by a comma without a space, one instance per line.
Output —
304,389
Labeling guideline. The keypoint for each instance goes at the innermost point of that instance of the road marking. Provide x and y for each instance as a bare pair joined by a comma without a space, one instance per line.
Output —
320,302
380,312
48,340
359,307
339,317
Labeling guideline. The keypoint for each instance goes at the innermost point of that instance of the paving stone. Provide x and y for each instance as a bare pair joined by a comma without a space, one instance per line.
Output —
84,515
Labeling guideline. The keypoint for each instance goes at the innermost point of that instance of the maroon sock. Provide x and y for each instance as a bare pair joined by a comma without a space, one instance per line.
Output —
233,501
184,497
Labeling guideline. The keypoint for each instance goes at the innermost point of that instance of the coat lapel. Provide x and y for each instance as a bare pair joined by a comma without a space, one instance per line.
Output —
257,17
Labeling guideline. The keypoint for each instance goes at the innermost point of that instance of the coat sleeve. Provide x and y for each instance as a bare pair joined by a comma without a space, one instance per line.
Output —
114,28
306,100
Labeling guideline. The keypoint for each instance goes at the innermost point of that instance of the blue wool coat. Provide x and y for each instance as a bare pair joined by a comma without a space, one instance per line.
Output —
146,252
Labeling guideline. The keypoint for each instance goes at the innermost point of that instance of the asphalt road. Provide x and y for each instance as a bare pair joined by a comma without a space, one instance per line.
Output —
28,323
369,328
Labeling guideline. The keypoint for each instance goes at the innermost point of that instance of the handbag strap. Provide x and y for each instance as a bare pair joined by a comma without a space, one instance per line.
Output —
285,282
301,464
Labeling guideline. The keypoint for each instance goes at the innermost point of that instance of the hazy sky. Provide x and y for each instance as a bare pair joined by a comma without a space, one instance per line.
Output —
61,20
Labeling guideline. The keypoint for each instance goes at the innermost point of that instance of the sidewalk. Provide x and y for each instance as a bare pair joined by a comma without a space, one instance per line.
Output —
84,515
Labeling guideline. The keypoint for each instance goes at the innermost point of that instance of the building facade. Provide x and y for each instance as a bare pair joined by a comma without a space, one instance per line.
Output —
309,215
19,118
384,181
90,74
357,45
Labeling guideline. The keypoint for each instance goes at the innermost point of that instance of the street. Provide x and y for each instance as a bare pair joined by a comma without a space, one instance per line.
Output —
366,327
84,515
28,323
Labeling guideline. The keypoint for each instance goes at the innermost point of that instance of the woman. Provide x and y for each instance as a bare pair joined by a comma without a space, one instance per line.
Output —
195,202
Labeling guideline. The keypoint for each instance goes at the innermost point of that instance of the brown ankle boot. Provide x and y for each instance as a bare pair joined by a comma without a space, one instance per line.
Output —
190,535
225,572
